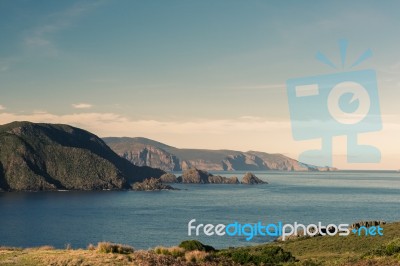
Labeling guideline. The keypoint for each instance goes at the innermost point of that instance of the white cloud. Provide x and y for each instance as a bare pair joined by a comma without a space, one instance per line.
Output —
82,105
2,107
242,133
111,124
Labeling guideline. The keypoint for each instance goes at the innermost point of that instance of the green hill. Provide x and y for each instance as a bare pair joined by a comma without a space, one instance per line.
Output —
49,157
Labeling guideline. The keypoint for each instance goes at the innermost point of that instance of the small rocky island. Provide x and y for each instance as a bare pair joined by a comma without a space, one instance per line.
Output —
151,184
252,179
194,176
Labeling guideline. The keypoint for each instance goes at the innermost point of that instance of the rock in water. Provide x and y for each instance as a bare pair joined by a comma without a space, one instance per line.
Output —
168,178
233,180
151,184
196,176
251,179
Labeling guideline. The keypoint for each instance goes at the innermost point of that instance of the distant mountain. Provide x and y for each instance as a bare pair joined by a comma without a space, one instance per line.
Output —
147,152
48,157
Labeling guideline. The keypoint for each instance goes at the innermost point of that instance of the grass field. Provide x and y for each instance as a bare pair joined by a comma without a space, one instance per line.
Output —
350,250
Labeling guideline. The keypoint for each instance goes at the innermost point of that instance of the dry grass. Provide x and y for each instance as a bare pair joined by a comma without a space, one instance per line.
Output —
80,257
170,251
2,248
46,248
108,247
196,256
44,256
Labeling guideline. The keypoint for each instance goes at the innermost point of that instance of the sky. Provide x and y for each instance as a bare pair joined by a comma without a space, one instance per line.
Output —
193,74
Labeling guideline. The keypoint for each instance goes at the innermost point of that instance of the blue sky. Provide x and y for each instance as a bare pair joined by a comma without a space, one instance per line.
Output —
190,73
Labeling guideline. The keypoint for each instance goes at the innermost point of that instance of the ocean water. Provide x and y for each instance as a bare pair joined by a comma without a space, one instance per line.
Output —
148,219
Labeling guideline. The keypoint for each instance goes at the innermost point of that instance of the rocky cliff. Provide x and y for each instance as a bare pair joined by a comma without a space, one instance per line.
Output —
146,152
251,179
196,176
151,184
49,157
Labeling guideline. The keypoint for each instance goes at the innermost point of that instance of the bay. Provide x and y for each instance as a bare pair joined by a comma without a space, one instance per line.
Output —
149,219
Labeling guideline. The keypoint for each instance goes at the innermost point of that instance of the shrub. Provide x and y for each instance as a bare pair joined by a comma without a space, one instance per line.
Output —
177,252
270,255
172,251
107,247
190,245
393,247
196,256
91,247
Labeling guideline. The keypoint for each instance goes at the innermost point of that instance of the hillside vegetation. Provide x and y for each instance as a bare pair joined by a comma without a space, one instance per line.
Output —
37,157
339,251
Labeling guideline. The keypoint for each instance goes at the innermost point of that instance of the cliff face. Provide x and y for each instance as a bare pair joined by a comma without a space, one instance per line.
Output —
48,157
145,152
152,156
141,151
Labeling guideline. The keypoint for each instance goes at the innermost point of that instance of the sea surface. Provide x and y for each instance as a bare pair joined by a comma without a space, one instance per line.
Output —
149,219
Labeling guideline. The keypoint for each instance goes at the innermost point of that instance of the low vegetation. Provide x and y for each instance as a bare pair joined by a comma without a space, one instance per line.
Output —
191,245
315,251
261,255
107,247
175,252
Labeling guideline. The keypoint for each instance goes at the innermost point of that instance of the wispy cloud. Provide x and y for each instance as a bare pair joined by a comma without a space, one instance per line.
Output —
82,105
118,125
40,37
242,133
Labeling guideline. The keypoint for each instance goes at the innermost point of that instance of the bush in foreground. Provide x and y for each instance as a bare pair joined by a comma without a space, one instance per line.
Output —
107,247
389,249
190,245
196,256
264,255
171,251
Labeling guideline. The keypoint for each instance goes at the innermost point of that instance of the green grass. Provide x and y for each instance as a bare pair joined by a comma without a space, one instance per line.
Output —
339,247
336,250
190,245
260,255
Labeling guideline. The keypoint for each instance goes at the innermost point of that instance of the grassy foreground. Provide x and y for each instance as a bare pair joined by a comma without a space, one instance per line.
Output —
350,250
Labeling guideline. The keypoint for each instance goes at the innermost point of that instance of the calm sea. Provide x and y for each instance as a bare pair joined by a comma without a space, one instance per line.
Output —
148,219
